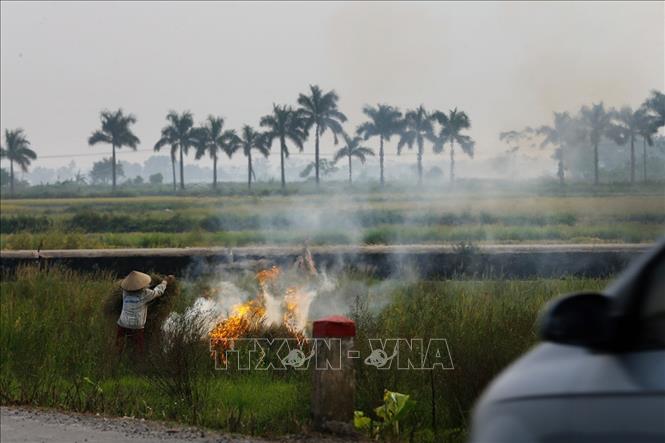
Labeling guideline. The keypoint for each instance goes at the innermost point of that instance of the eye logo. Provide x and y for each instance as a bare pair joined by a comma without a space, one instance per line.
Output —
296,358
379,358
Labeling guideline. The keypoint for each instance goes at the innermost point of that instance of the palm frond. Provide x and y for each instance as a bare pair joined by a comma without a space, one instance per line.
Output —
99,137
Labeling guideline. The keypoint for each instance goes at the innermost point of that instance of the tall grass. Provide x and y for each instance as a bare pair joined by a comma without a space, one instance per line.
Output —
57,350
629,232
487,324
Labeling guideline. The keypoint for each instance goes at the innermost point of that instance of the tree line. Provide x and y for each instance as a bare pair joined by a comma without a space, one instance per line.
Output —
590,125
316,112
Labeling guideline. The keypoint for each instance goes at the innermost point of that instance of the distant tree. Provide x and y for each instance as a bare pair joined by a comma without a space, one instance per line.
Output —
327,167
173,152
625,128
563,133
647,128
251,140
284,124
103,171
597,124
17,150
80,179
415,129
652,118
513,138
4,177
384,122
156,179
352,149
214,140
138,180
181,135
115,131
452,124
319,111
656,105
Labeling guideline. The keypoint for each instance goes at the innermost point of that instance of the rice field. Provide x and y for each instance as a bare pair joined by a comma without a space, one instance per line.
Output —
325,219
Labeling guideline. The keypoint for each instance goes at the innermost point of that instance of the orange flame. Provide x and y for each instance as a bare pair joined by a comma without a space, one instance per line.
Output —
251,315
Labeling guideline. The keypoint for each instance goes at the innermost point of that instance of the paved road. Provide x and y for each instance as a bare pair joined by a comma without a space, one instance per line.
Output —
20,425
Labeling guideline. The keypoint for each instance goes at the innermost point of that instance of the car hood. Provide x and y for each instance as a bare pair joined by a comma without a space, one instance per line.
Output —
560,370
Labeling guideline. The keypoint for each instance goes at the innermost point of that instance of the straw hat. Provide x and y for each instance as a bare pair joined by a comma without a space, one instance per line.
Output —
135,281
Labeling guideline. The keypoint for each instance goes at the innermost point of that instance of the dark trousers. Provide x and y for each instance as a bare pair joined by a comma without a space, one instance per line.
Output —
134,335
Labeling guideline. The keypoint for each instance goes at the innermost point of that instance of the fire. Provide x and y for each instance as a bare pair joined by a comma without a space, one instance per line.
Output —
254,316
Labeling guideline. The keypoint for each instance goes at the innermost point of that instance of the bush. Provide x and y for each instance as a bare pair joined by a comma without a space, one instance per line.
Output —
29,223
89,221
156,179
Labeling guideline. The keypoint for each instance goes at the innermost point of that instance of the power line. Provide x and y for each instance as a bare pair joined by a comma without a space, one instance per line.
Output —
89,154
276,152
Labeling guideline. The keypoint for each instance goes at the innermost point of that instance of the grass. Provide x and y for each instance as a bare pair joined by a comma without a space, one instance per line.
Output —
58,351
57,348
629,232
360,217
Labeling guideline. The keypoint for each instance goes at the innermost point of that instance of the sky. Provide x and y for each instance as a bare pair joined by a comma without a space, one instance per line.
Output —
508,65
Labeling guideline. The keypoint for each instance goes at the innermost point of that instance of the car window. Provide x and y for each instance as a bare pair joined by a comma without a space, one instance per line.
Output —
652,315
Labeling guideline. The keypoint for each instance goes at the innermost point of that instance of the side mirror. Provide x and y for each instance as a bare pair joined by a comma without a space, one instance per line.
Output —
581,319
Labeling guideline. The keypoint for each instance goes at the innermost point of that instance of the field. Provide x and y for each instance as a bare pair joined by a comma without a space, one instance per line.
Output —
58,340
77,368
334,216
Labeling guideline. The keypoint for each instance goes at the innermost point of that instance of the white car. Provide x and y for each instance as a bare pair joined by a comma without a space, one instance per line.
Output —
599,376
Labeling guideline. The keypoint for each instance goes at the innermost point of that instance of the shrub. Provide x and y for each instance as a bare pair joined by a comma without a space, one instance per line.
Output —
156,179
29,223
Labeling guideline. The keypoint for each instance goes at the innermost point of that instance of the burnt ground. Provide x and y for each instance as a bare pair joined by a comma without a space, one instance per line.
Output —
21,424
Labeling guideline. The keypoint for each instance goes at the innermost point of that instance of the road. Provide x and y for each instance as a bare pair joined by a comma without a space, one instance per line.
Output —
21,425
428,261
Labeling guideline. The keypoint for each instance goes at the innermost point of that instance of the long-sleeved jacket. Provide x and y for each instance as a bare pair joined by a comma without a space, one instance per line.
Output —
134,306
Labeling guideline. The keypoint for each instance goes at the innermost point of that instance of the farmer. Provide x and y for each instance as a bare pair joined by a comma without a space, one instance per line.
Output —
135,298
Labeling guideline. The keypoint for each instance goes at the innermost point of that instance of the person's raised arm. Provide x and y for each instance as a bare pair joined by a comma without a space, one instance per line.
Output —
158,290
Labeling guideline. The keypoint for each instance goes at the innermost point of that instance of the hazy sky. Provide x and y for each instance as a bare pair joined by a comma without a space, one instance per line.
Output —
507,64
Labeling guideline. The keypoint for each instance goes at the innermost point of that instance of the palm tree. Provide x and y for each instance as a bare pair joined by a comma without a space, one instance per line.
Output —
626,127
17,150
561,135
181,135
384,121
647,128
596,122
353,149
252,140
115,131
416,127
451,126
656,104
213,139
320,111
284,124
167,140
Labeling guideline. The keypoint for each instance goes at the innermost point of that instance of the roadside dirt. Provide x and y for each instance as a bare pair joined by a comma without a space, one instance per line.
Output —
20,424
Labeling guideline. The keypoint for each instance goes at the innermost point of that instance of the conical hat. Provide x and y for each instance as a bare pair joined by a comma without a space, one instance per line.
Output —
135,281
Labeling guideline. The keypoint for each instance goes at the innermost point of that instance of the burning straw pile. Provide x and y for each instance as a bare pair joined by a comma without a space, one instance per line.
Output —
279,310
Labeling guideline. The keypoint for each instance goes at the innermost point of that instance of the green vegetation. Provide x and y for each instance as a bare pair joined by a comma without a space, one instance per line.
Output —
116,132
390,217
58,351
17,150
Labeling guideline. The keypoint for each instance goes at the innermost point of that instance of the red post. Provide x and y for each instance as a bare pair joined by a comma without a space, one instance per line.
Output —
333,379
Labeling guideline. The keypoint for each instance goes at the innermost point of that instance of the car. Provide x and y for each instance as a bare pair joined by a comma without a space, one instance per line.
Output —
598,376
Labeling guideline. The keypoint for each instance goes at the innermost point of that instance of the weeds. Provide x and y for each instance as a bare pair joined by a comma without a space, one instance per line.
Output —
58,351
374,218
